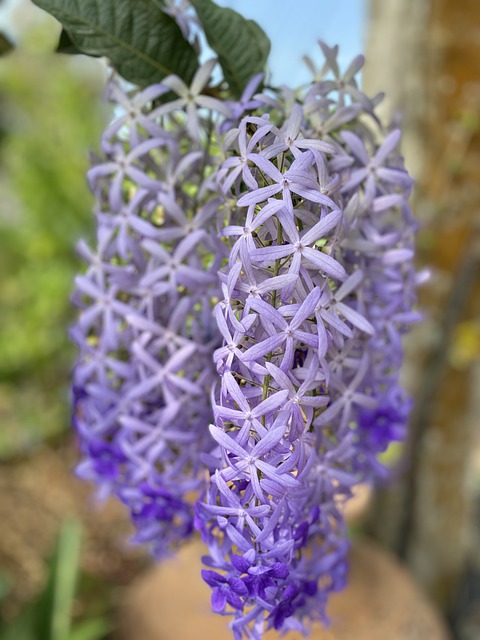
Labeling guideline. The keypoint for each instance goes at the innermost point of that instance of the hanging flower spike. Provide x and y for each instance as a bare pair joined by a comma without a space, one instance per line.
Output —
240,327
146,334
309,390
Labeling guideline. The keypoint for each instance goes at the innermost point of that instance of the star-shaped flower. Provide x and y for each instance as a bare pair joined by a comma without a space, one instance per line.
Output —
191,98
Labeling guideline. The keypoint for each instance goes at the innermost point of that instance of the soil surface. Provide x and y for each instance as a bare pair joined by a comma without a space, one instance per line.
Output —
36,495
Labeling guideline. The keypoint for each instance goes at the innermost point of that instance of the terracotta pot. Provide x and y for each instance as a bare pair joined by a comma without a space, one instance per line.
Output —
381,602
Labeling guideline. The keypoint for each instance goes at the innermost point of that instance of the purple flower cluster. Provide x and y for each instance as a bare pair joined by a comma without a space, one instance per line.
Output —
318,289
145,332
240,328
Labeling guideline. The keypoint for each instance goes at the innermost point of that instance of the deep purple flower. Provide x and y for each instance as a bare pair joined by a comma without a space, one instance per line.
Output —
225,591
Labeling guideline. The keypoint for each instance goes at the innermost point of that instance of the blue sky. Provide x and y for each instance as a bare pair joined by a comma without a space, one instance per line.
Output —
294,27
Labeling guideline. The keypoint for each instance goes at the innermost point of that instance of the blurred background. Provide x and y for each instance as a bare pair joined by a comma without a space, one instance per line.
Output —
63,557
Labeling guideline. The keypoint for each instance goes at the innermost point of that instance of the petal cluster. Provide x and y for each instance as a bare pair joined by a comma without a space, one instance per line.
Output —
145,332
240,328
318,289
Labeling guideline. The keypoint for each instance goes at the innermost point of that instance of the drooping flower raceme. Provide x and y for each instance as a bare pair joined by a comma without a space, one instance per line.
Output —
319,287
146,333
240,329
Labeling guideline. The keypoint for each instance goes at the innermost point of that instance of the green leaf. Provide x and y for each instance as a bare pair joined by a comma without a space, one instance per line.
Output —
143,43
94,629
66,44
241,45
5,44
67,565
54,608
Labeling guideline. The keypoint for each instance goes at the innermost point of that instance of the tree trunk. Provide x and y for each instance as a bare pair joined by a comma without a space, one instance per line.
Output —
426,56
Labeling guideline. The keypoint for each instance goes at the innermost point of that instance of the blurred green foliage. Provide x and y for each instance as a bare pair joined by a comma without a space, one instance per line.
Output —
50,116
51,615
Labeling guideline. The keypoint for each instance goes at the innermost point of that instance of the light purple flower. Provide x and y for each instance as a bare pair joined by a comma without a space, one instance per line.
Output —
242,317
318,273
191,98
